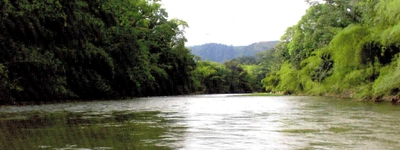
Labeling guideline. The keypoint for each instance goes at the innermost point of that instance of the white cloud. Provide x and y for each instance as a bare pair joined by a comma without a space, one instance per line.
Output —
235,22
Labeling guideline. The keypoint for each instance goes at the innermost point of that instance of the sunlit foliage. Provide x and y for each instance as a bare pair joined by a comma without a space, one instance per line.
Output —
346,48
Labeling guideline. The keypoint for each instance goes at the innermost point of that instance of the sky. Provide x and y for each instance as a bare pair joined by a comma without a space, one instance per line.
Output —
235,22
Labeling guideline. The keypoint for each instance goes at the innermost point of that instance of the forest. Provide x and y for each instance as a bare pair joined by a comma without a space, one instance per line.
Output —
345,48
55,50
341,48
90,49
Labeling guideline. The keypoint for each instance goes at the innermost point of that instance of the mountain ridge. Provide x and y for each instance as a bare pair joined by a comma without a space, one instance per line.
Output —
221,52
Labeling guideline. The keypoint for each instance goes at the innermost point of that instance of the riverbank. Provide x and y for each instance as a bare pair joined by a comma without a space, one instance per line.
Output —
392,99
263,94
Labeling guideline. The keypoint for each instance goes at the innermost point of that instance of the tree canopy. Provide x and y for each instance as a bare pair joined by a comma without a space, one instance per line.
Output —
90,49
54,50
348,48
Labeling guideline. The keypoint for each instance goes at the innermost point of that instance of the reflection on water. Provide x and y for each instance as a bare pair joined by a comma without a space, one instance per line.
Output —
71,130
202,122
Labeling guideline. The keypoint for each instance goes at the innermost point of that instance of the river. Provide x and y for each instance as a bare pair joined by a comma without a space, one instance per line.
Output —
202,122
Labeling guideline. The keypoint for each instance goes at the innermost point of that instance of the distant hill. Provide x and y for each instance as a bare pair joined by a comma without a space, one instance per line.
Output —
221,52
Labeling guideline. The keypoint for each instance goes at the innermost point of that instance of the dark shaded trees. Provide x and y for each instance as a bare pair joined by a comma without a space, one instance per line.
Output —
90,49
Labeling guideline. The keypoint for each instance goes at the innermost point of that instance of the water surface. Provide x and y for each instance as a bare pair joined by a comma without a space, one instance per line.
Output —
203,122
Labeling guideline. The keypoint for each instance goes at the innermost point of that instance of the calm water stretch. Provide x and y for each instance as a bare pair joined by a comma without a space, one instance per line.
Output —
203,122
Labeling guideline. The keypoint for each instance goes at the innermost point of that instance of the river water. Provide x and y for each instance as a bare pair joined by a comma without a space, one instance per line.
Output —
203,122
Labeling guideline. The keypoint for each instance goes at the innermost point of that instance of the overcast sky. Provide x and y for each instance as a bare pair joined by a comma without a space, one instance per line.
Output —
235,22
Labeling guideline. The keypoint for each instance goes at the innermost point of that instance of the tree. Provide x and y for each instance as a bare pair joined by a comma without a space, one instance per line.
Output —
91,49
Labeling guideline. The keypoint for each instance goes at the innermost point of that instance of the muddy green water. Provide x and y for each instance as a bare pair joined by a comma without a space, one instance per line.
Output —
202,122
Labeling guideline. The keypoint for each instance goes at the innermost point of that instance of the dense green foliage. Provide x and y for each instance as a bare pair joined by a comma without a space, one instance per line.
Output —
90,49
222,53
230,77
340,47
102,49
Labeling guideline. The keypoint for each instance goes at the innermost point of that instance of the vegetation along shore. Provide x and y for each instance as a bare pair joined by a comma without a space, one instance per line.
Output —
54,50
